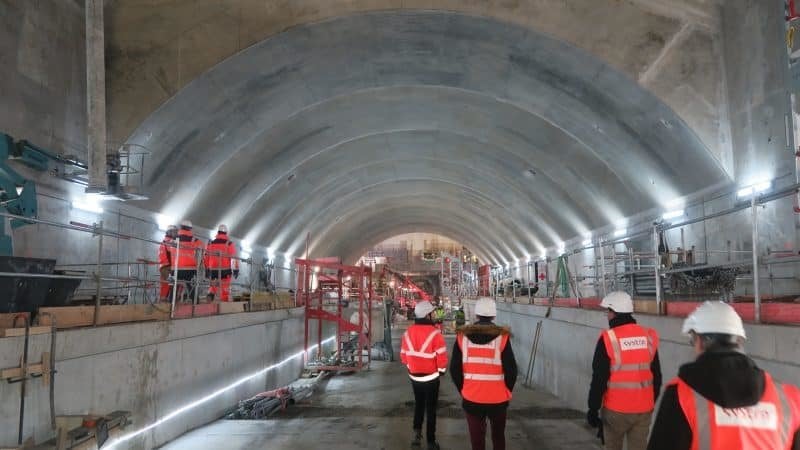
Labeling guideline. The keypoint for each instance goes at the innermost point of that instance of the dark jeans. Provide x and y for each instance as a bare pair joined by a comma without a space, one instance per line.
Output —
477,430
185,283
426,397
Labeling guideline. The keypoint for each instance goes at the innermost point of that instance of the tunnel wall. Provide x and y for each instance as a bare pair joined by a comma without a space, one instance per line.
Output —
43,88
151,369
563,364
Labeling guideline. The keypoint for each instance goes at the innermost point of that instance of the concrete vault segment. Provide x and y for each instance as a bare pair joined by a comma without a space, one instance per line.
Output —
361,127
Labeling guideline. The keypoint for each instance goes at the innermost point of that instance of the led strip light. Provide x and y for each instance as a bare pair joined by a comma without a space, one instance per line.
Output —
127,437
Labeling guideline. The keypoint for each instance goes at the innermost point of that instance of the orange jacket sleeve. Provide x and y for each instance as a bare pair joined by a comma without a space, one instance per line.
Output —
440,348
403,349
232,254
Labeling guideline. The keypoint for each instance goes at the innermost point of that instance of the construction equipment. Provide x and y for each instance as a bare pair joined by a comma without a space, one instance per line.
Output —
407,293
87,432
327,289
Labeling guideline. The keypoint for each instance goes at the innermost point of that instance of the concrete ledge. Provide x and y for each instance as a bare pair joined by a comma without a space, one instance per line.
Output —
153,368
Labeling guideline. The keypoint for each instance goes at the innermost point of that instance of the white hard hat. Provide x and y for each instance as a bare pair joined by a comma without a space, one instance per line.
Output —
714,318
186,223
618,301
171,227
423,309
485,307
222,228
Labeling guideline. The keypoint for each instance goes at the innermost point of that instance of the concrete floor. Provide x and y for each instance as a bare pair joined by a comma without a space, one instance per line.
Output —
373,410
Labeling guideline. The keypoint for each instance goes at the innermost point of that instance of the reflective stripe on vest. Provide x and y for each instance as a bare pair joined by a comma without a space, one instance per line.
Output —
484,379
629,384
425,378
420,353
706,421
631,350
494,345
618,366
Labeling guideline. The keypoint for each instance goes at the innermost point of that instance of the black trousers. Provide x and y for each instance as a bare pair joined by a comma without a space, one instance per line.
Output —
426,398
186,281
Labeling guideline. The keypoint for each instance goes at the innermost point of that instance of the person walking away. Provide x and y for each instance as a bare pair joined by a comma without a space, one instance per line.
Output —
459,317
424,353
221,265
188,249
165,252
484,371
626,377
723,400
438,316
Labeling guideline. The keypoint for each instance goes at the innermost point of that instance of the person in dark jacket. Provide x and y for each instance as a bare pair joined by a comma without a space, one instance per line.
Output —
484,382
627,396
724,375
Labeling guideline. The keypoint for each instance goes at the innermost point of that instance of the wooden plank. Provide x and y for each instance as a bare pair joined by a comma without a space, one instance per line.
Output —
14,332
132,313
7,320
232,307
645,306
46,369
82,316
69,316
262,306
16,372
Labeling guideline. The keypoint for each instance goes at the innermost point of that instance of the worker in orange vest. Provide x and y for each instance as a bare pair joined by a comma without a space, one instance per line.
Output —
189,254
165,251
723,400
484,370
221,264
424,352
626,377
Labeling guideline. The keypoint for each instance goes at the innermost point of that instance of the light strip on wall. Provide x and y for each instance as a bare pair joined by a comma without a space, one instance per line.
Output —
85,205
672,214
211,396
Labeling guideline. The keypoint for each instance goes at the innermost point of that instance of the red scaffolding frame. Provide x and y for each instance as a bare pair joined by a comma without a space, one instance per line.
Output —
321,288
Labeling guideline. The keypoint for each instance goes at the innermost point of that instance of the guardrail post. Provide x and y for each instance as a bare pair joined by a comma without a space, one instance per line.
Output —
756,292
99,230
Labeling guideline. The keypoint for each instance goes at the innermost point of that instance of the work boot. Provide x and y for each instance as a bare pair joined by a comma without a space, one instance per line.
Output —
433,445
416,438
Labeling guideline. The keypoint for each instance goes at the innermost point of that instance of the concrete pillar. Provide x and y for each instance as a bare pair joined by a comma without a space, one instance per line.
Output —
96,96
756,74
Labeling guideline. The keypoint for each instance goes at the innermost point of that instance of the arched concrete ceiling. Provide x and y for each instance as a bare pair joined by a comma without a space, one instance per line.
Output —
358,125
672,47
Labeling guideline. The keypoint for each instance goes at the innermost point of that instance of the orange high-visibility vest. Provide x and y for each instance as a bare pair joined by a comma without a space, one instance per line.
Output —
424,352
165,251
187,250
484,380
631,349
219,255
769,424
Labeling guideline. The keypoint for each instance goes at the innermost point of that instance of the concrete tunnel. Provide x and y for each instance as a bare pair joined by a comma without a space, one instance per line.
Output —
575,147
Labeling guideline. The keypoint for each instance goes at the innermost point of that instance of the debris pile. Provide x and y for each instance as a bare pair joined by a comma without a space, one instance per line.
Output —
265,404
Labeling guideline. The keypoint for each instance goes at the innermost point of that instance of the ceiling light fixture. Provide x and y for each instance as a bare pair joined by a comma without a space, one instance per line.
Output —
754,189
669,215
88,205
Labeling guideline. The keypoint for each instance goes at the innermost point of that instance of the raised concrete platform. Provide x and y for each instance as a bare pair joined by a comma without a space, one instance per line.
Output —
374,410
563,364
151,369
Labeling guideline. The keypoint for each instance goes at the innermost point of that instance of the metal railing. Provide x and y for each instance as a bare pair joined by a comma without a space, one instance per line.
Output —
615,269
133,282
